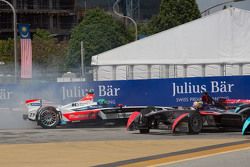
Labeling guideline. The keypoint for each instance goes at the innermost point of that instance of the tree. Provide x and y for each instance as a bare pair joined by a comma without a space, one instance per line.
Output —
47,51
6,51
143,30
174,13
99,32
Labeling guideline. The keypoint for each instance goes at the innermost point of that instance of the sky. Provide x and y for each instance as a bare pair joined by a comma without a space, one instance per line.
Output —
205,4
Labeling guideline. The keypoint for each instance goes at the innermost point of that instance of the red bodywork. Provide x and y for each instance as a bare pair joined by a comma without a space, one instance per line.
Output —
209,113
30,101
89,96
132,118
236,101
178,120
82,115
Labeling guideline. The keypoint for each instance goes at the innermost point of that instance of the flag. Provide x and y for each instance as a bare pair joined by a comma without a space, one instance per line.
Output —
26,50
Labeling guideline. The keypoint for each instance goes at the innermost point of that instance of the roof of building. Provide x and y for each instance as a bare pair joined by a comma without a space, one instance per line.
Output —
222,37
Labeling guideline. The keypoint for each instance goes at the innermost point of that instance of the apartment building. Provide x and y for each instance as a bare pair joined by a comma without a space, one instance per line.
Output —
57,16
60,16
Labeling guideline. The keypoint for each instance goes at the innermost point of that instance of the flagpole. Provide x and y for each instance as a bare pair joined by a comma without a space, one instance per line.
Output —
82,61
15,36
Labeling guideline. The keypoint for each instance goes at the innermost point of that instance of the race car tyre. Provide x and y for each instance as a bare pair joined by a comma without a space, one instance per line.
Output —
195,123
144,131
156,124
245,113
132,127
48,118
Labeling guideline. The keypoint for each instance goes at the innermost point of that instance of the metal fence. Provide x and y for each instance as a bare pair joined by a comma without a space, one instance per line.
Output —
44,75
125,72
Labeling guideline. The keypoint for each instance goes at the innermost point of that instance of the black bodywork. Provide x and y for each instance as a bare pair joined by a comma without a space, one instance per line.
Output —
189,120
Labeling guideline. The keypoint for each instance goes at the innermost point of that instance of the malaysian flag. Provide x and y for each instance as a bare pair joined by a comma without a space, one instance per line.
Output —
26,50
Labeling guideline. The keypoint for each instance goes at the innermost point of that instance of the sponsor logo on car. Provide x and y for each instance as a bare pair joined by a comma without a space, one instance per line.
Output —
35,104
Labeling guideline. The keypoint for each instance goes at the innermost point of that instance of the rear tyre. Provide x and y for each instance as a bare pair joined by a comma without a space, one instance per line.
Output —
144,131
245,113
132,127
195,123
48,118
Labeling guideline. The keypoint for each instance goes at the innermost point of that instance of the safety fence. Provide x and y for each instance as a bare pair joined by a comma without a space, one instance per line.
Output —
152,71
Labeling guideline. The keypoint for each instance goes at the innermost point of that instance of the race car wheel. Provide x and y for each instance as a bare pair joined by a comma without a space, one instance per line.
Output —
144,131
195,123
144,124
49,118
245,113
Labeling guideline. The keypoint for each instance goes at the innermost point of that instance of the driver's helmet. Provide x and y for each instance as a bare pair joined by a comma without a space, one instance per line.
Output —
198,104
91,91
102,102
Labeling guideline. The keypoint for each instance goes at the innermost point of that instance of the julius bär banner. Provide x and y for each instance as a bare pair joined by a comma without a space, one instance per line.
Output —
154,92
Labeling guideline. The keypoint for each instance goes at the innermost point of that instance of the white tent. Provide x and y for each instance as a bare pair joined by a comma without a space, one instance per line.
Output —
219,38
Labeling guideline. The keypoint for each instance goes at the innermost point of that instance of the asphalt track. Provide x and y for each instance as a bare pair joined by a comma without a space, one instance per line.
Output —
29,145
96,146
235,158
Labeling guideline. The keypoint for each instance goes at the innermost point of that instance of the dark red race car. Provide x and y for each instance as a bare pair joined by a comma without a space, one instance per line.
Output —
226,113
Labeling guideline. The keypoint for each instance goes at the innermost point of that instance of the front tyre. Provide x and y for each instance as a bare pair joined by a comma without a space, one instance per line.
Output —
195,123
48,118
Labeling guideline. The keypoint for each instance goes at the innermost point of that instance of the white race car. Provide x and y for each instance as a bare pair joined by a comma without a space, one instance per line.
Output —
84,110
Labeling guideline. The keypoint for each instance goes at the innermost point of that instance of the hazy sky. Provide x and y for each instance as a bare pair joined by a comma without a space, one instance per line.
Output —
205,4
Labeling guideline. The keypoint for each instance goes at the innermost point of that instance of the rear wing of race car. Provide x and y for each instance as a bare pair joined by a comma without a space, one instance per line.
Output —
233,101
33,103
32,107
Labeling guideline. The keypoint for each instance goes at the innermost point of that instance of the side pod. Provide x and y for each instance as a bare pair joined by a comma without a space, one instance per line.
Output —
132,120
246,126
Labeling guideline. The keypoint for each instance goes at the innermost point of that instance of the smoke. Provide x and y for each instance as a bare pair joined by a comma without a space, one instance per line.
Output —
12,119
13,106
43,85
13,95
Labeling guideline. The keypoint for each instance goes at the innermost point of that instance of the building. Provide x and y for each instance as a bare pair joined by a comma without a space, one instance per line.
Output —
215,45
57,16
139,10
60,16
